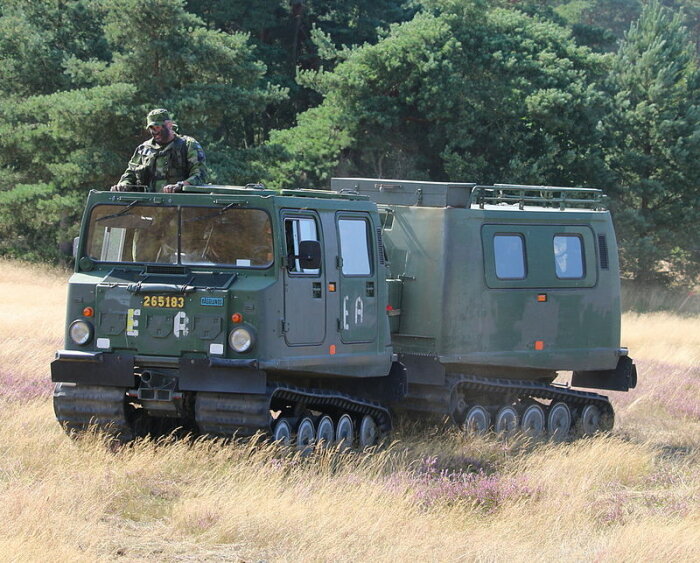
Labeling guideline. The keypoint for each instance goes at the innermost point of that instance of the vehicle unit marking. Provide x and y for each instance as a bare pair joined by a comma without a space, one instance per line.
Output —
359,311
132,322
181,324
164,301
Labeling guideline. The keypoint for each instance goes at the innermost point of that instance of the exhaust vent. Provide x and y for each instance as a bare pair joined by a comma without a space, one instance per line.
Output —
603,248
380,245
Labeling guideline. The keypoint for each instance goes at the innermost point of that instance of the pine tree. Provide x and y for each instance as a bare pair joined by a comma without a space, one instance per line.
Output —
654,135
461,92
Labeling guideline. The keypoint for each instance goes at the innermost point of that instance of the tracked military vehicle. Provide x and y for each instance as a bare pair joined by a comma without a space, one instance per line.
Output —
322,315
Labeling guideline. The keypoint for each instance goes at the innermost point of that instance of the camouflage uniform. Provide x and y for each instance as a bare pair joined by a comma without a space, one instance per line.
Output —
154,165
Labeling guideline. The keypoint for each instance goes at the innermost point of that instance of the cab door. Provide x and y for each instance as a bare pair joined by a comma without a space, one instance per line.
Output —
358,278
304,320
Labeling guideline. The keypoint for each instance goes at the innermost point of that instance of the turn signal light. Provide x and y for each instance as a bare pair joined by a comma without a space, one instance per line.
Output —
88,312
542,297
237,318
539,344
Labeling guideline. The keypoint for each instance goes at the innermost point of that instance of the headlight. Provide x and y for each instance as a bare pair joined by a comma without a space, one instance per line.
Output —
241,339
80,332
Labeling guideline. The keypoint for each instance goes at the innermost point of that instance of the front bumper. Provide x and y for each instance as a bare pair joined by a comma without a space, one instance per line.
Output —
193,374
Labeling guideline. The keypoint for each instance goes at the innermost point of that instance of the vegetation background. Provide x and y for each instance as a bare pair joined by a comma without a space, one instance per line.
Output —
601,93
435,494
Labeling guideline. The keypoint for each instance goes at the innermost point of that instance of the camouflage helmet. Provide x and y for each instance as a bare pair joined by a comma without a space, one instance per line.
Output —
157,117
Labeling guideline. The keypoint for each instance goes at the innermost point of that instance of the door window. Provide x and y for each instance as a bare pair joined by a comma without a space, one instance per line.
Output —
297,229
354,247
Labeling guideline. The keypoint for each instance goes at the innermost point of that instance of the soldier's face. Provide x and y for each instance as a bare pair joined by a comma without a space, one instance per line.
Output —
161,133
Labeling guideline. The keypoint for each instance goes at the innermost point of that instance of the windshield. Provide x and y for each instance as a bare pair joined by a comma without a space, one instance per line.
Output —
180,235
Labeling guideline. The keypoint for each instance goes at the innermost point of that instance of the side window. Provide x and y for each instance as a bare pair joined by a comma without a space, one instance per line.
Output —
296,230
354,246
509,252
568,256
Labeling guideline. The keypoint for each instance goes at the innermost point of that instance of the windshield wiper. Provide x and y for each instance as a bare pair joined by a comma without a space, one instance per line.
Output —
229,206
118,214
219,212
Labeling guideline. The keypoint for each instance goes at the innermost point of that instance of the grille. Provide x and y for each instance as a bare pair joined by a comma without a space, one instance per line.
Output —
603,247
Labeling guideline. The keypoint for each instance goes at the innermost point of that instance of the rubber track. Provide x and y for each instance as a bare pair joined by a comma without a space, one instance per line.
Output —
533,389
79,407
321,400
228,414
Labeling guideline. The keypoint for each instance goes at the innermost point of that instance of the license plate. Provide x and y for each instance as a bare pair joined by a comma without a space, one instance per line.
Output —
164,301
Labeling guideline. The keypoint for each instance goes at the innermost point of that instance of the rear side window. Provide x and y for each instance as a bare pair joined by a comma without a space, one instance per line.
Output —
539,256
509,254
568,257
354,246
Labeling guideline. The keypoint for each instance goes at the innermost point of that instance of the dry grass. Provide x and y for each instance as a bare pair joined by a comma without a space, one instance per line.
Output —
32,312
630,496
662,337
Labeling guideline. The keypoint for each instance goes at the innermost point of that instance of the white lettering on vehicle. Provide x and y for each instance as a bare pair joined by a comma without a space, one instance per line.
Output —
359,311
346,326
180,324
132,322
359,315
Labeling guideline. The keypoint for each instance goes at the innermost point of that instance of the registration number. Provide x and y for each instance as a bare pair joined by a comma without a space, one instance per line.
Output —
164,301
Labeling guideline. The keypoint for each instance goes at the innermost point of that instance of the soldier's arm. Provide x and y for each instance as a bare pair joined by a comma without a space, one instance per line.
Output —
196,162
129,177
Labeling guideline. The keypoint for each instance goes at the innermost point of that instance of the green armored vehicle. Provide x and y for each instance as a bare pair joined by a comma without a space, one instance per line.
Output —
314,315
222,306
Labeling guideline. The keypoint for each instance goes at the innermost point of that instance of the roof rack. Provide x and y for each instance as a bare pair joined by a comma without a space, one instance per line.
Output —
248,189
325,194
539,196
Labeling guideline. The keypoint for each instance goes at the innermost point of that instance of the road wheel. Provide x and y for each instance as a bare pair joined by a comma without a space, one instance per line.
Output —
533,420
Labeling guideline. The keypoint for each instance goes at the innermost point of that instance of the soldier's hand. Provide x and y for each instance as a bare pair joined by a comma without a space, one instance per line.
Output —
119,188
172,188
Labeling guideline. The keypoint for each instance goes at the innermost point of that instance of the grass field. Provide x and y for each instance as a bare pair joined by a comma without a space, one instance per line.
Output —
435,495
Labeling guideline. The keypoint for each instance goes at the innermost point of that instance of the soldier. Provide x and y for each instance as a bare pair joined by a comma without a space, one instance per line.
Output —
166,162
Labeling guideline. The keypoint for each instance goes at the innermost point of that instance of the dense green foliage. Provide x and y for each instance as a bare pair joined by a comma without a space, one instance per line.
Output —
653,146
465,92
578,92
74,103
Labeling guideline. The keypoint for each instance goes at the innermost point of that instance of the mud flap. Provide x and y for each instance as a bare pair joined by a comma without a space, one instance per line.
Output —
221,376
86,368
622,378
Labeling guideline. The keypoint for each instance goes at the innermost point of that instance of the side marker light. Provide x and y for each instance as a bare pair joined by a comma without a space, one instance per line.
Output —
331,287
331,350
539,344
542,298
